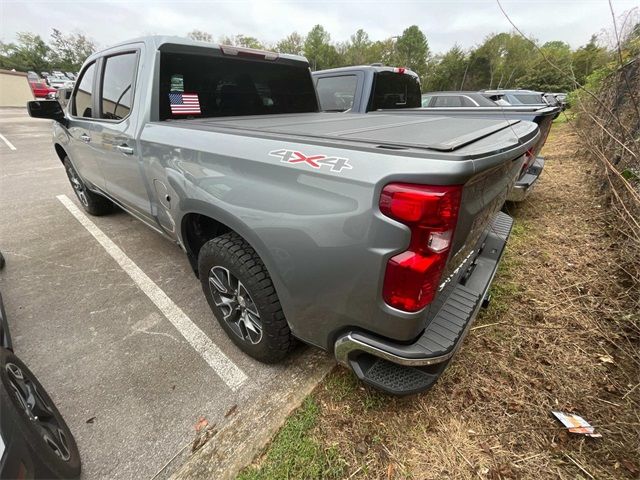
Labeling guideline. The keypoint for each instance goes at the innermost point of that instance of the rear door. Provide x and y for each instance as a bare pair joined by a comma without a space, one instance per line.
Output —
116,132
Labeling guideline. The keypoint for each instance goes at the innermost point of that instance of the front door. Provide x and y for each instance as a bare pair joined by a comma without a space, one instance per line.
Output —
81,148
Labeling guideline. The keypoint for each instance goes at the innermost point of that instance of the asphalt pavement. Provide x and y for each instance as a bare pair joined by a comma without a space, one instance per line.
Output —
109,316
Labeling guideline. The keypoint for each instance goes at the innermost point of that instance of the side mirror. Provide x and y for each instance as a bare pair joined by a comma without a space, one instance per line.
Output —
50,109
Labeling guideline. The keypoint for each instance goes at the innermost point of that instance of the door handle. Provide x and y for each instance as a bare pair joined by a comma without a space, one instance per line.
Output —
125,149
85,138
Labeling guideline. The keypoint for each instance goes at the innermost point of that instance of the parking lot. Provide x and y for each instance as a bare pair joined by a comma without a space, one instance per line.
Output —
110,317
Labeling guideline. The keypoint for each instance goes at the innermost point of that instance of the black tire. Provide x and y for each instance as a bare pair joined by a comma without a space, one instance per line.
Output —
232,253
93,203
46,462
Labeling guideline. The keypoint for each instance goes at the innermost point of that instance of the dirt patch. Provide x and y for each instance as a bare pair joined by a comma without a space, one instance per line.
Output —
557,336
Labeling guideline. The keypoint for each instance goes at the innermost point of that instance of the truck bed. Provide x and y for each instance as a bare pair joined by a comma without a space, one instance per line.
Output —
437,137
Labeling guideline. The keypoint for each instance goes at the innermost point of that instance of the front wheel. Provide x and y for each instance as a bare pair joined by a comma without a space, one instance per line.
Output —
93,203
242,296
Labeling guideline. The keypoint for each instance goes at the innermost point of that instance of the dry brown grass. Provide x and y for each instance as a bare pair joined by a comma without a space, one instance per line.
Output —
556,320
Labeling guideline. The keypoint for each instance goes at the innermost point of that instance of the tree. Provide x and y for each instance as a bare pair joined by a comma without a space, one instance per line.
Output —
412,50
551,71
447,71
68,52
292,43
382,51
588,58
199,35
29,53
357,51
241,41
320,53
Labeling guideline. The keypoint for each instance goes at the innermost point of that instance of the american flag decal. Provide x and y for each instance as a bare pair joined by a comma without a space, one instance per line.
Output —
184,103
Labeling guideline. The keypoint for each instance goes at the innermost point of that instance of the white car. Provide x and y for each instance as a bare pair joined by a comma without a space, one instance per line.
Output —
59,81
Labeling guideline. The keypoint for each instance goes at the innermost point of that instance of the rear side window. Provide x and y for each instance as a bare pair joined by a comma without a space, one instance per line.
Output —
395,90
426,99
336,94
448,101
117,86
529,98
200,86
82,102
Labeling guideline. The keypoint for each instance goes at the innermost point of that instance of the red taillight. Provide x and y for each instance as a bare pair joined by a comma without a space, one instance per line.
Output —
528,158
431,212
399,70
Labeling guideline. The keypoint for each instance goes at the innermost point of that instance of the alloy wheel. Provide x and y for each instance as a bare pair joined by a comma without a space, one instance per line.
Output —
234,301
78,186
38,411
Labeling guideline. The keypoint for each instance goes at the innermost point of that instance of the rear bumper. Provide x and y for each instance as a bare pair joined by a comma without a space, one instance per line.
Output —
525,184
410,368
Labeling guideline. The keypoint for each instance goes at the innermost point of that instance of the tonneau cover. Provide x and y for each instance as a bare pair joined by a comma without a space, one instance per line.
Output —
435,133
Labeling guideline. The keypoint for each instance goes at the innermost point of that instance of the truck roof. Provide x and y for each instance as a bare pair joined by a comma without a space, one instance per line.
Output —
372,68
157,42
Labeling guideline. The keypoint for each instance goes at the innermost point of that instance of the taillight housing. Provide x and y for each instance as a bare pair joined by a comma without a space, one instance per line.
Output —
431,212
528,160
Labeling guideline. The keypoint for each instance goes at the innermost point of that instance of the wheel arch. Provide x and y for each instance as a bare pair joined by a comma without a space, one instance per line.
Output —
60,151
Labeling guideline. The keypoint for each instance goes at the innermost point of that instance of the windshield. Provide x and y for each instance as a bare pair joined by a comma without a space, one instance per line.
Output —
395,90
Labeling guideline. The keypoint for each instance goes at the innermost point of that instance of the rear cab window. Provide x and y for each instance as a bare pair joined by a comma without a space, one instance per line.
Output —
204,86
336,94
117,85
82,104
395,90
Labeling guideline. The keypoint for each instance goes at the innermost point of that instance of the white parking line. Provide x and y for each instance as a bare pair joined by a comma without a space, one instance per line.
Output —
221,364
9,144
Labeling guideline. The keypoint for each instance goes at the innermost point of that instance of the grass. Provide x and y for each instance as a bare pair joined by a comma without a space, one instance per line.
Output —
295,454
537,348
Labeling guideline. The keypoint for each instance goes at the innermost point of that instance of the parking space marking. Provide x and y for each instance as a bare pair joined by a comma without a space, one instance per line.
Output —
228,371
9,144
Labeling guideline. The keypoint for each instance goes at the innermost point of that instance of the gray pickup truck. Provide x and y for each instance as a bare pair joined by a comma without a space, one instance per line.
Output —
388,90
373,237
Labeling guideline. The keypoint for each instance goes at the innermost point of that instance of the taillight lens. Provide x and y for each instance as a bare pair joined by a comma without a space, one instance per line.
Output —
431,212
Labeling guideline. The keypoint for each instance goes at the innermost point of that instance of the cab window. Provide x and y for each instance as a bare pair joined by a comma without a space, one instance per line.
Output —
83,100
117,86
336,94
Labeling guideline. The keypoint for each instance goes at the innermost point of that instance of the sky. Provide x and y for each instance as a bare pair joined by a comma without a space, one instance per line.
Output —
445,23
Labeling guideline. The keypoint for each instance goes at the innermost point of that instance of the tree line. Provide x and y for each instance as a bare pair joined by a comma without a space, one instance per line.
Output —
501,60
64,52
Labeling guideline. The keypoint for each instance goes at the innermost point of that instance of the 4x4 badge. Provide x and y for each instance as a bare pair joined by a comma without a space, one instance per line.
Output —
336,164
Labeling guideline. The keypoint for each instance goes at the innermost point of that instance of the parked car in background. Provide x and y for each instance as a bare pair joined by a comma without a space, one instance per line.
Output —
363,85
40,89
35,441
455,99
44,74
556,99
517,97
373,237
32,76
70,75
59,81
62,95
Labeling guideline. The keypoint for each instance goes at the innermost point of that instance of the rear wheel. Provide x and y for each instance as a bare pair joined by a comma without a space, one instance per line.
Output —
42,426
92,203
242,296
